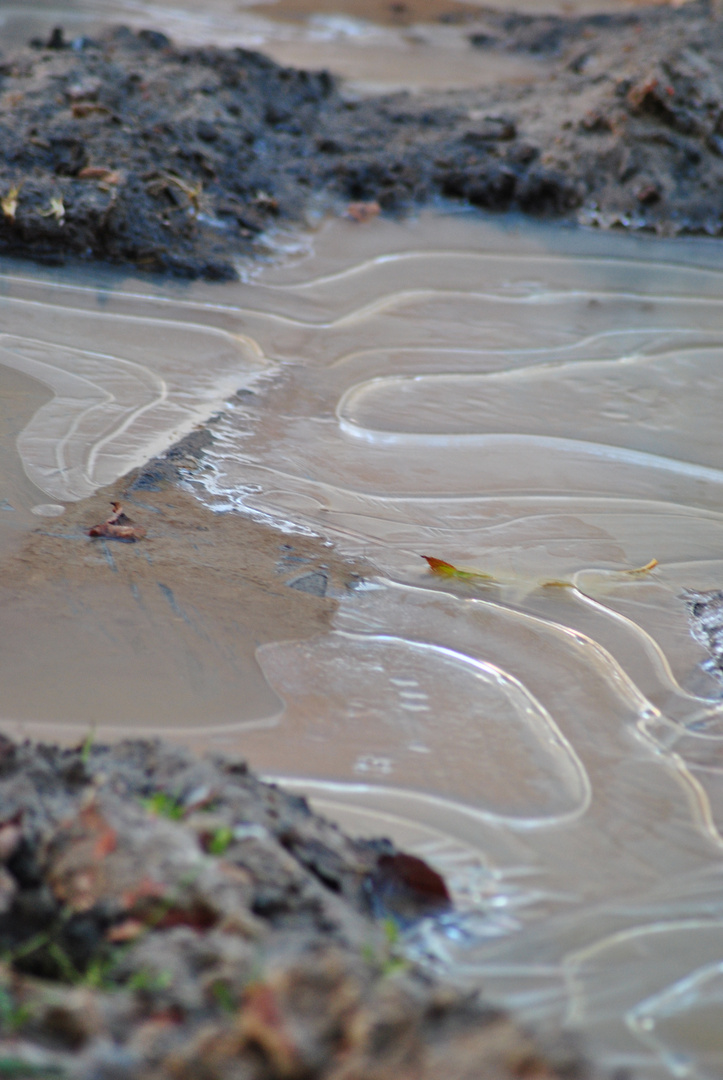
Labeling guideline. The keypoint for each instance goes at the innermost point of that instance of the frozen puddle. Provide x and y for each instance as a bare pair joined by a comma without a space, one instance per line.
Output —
496,402
540,405
124,386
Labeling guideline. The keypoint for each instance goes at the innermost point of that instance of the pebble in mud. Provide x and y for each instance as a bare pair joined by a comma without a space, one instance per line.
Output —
314,582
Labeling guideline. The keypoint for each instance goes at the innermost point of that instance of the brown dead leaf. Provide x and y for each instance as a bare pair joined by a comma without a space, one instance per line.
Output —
85,108
145,889
75,870
362,212
118,527
128,930
99,172
262,1022
406,886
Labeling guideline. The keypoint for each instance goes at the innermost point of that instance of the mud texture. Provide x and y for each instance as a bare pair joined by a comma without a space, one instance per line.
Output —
161,634
129,150
169,917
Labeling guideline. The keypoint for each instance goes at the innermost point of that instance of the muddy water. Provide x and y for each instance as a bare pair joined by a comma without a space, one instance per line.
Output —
539,406
375,47
548,418
536,405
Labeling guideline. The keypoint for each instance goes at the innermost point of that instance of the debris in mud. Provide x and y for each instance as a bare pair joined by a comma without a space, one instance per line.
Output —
167,917
131,150
705,616
118,527
362,212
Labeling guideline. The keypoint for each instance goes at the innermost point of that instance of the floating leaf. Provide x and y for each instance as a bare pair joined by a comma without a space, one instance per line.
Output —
404,888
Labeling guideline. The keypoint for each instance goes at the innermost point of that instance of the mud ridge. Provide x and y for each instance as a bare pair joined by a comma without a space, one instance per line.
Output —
167,916
130,150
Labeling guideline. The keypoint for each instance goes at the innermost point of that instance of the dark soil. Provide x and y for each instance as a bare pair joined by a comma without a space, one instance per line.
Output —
173,918
129,150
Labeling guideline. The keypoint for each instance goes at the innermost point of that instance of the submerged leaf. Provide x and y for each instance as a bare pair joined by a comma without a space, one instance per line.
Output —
642,569
445,569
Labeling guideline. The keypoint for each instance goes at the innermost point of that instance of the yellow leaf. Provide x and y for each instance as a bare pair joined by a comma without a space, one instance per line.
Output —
56,209
9,203
445,569
642,569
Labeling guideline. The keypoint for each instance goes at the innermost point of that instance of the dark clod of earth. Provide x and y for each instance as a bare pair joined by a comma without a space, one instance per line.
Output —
130,150
173,918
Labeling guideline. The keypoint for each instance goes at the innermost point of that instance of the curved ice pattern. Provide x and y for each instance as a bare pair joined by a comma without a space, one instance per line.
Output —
682,1023
376,710
631,402
113,408
653,984
627,806
587,378
560,424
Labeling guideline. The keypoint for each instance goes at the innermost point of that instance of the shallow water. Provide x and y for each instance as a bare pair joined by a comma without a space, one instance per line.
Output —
538,404
479,395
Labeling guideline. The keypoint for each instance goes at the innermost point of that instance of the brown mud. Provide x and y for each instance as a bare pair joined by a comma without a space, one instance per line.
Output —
130,150
180,612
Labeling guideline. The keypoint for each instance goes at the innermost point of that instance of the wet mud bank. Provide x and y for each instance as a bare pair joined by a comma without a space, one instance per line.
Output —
127,149
180,610
169,917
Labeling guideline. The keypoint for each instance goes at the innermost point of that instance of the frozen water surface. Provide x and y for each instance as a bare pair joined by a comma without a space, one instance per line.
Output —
542,408
541,405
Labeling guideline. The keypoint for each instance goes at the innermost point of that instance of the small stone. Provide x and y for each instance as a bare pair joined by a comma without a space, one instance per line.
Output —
315,582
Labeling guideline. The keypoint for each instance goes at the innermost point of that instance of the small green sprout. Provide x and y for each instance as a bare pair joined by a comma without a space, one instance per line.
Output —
220,840
150,982
86,746
12,1015
222,993
161,804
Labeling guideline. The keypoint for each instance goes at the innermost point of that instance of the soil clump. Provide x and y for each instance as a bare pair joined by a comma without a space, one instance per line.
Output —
169,917
129,150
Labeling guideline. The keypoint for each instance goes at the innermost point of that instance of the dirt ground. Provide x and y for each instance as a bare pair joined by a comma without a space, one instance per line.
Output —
180,613
129,150
173,918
